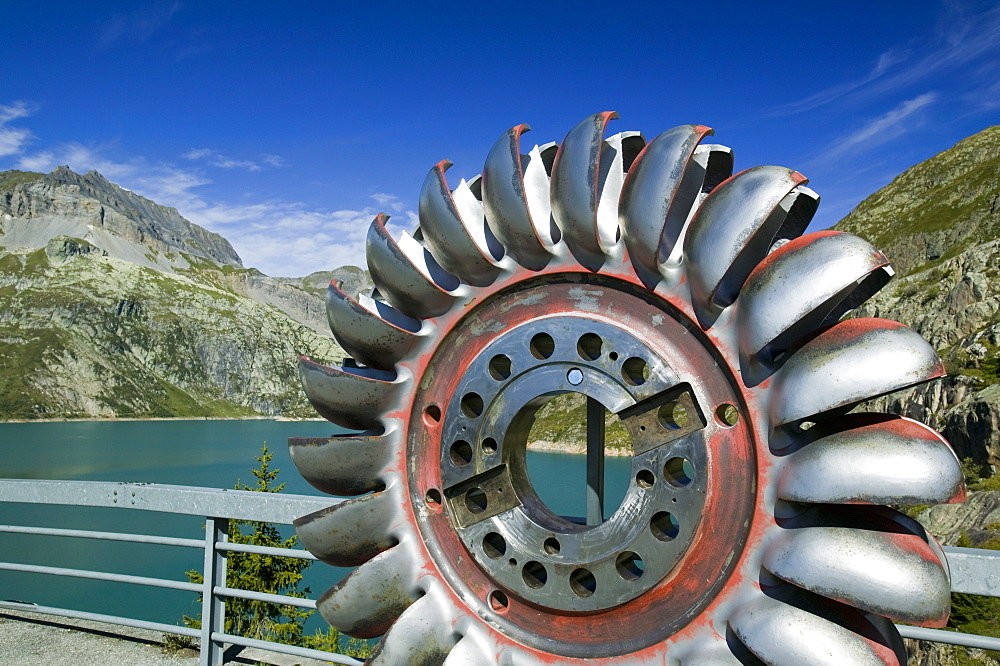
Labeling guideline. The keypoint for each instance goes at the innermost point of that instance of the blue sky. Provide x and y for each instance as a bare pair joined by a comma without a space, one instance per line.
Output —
287,126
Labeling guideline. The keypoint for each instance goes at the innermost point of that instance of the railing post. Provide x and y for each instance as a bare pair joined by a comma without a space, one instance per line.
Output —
213,608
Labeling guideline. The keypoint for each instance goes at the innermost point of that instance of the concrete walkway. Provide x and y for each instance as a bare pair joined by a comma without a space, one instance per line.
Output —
34,639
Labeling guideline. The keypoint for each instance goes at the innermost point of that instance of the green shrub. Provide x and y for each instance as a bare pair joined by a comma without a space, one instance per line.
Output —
271,575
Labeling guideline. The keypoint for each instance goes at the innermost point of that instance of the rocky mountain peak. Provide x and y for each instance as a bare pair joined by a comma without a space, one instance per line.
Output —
35,208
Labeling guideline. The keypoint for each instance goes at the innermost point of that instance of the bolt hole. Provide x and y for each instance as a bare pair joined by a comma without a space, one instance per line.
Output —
534,574
727,415
500,367
512,562
498,601
472,405
589,346
542,346
672,415
489,446
613,356
678,472
475,500
461,453
494,545
664,526
630,566
645,478
635,371
433,498
552,546
574,376
432,414
582,582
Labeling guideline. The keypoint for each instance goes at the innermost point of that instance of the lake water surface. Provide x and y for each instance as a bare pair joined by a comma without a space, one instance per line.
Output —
193,453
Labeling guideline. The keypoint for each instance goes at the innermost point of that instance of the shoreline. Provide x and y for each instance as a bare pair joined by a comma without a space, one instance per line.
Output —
103,419
541,446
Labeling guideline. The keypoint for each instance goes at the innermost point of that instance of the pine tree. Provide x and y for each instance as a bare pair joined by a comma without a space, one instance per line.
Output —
271,575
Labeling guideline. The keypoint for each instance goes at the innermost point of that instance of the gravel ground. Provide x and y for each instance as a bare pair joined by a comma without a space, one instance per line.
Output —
33,639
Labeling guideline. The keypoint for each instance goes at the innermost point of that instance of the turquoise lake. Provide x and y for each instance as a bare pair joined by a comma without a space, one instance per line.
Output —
193,453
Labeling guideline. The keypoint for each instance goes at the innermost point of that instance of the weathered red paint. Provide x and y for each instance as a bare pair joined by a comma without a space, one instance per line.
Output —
691,587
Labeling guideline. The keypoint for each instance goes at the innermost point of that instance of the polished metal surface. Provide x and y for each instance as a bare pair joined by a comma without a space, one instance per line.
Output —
680,298
454,229
829,268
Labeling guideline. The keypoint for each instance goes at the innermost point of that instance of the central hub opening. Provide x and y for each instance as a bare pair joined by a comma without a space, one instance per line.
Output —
523,365
573,532
584,484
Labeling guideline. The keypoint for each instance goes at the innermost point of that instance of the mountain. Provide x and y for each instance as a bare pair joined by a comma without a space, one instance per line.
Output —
114,306
939,224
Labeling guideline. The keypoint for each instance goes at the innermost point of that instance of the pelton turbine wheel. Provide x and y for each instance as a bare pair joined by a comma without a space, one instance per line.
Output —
682,299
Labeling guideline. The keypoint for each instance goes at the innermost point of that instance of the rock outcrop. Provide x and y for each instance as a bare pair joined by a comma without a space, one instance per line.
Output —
939,223
90,207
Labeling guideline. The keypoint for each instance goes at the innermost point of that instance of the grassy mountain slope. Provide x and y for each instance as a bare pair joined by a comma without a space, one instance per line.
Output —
126,322
939,223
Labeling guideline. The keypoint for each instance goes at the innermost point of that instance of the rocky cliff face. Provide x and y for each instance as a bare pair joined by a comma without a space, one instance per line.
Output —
66,203
939,223
111,305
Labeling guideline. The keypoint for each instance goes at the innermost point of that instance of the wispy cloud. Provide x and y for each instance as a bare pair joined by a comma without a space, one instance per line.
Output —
962,38
388,201
877,131
139,25
283,238
216,159
13,139
885,63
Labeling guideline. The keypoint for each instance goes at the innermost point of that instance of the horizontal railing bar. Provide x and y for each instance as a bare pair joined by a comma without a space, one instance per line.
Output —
263,596
974,570
102,575
189,500
109,536
293,650
264,550
950,637
97,617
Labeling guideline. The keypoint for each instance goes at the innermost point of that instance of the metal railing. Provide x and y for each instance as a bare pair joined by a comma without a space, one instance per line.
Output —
973,571
217,508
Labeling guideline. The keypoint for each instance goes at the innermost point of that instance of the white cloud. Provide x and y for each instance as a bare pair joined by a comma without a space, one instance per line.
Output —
388,201
217,159
198,154
878,130
13,139
287,239
13,111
